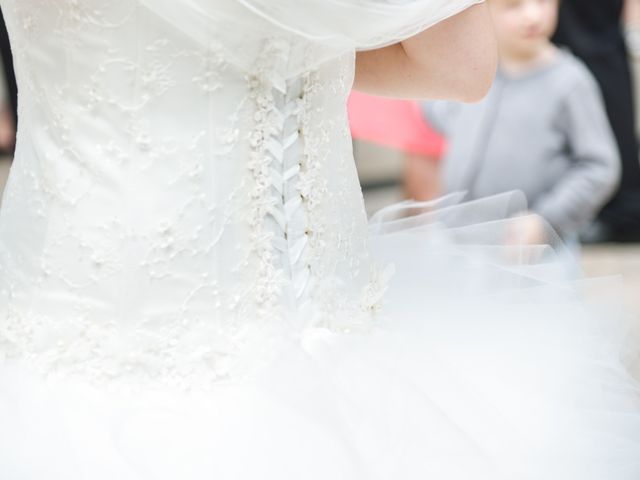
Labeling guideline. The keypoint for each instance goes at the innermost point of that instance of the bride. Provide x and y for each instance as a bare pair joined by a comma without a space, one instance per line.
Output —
189,287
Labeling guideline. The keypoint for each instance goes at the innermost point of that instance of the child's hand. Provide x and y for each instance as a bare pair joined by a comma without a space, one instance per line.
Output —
528,229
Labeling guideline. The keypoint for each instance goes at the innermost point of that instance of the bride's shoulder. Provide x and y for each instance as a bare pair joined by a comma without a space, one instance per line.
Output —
455,59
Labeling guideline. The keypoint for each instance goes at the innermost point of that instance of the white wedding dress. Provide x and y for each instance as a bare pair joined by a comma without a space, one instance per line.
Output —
189,288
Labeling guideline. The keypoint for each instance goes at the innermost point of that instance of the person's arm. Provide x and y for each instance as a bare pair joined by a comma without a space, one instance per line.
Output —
595,171
631,26
455,59
632,13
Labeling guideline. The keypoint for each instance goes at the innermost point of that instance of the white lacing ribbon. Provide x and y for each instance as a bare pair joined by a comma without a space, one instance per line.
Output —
283,147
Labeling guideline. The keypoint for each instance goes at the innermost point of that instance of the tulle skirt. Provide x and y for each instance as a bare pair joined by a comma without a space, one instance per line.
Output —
491,360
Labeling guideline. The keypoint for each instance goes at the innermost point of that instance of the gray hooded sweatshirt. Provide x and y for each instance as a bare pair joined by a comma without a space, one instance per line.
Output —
545,133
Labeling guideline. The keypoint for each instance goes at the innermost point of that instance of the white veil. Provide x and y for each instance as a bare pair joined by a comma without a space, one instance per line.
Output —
311,31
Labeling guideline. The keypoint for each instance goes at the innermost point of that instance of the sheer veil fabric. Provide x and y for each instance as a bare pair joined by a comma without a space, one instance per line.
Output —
321,30
190,287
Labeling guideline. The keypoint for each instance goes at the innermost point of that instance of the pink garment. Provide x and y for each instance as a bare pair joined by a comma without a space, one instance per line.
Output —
393,123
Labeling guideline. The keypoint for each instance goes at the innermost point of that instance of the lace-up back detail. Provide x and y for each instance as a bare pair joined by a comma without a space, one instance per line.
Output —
167,208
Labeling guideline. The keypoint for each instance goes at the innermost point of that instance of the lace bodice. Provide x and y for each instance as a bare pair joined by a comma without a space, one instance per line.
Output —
183,192
163,201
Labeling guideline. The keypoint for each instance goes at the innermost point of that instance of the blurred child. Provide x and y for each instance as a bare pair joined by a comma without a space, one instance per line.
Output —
542,129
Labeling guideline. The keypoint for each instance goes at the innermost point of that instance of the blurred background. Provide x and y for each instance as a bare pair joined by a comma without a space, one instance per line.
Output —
400,155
